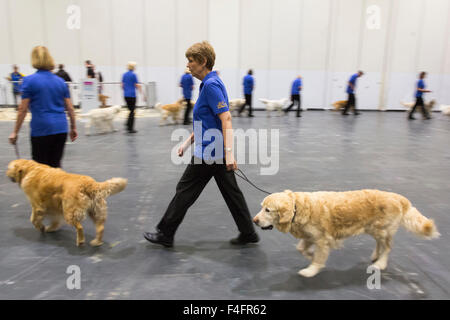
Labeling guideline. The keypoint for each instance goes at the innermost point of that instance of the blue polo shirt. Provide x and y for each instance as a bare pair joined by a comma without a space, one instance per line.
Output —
212,101
295,86
46,92
421,85
352,80
248,84
186,83
129,80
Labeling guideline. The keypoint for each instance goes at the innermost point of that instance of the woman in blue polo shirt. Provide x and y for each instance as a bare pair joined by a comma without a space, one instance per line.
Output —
47,97
211,116
187,83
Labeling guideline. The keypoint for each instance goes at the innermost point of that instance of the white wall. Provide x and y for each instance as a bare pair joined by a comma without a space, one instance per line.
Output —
323,40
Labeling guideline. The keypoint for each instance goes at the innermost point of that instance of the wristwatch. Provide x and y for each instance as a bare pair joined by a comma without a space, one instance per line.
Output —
228,149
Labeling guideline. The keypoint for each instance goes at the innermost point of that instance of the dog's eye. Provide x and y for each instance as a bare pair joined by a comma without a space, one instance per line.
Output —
267,210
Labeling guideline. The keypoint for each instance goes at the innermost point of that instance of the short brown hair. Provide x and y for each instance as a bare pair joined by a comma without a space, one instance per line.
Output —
201,52
41,58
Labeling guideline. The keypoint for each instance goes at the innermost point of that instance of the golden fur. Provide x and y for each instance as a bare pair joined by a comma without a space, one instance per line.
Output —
339,105
102,98
325,219
172,110
58,195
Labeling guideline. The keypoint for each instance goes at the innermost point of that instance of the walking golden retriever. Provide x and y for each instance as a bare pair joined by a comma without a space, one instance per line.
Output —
58,195
324,219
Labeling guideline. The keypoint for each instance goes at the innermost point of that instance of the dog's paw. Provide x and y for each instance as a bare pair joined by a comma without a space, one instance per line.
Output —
380,265
96,243
309,272
50,229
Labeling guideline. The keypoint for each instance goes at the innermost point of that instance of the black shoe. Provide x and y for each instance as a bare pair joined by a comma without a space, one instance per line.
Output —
132,131
298,116
244,239
159,238
357,113
427,118
411,118
250,116
345,114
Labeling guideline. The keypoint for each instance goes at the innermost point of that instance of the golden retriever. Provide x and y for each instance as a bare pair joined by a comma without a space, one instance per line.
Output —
101,119
103,98
339,105
325,219
273,105
173,110
58,195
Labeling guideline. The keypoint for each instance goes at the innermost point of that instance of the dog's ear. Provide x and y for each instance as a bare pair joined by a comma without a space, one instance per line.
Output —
286,211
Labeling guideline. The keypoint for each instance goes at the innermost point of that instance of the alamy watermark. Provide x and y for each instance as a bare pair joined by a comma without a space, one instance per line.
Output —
74,19
262,146
74,280
374,280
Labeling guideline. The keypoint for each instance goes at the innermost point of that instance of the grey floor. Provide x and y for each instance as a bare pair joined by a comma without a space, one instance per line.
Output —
320,151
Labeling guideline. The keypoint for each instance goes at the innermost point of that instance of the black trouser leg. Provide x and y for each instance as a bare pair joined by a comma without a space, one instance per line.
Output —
350,103
226,181
131,104
188,111
189,188
248,101
48,150
299,106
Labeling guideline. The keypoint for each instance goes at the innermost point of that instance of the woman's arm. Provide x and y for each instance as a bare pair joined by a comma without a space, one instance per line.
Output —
73,125
186,144
227,130
21,114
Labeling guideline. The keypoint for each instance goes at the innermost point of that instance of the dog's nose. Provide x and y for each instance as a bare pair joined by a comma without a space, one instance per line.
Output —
255,220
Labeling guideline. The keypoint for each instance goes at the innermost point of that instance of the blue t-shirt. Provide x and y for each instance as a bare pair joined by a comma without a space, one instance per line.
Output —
129,80
296,86
212,101
186,83
352,80
16,76
248,84
421,85
46,92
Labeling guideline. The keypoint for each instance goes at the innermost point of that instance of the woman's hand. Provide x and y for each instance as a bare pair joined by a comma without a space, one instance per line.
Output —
73,134
180,151
230,161
13,138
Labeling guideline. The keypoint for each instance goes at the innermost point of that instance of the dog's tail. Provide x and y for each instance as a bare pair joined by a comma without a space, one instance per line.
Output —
113,186
263,100
415,222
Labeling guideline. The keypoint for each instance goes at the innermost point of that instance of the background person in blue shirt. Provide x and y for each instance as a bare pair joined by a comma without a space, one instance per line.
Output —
351,101
15,77
249,85
129,84
295,95
47,97
420,90
187,83
211,112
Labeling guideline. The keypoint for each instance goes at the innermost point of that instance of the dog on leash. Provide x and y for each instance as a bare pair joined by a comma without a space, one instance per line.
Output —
322,220
236,104
101,119
428,105
173,110
58,195
339,105
275,105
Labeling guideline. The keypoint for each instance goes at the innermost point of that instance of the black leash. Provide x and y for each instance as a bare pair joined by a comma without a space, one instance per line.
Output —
244,177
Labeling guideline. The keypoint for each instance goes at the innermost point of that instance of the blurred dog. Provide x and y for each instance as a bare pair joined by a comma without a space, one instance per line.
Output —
339,105
173,110
325,219
102,98
445,109
101,119
275,105
236,104
58,195
428,105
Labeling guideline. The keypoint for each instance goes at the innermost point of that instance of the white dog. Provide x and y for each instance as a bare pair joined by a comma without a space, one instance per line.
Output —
445,109
272,105
101,119
236,104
